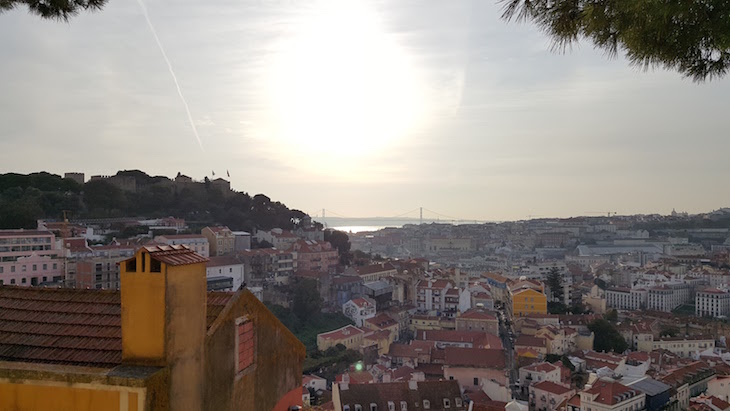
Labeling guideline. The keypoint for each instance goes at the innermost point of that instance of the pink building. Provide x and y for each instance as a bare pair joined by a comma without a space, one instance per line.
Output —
316,256
29,257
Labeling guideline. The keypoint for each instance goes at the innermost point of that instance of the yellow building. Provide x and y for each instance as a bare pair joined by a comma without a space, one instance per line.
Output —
425,322
161,343
349,336
528,301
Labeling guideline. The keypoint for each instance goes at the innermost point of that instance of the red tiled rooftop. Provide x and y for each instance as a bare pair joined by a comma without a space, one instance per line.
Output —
174,254
474,314
529,341
69,326
551,387
474,357
610,392
223,260
541,367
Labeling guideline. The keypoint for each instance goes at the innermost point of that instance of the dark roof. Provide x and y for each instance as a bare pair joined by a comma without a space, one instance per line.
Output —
69,326
380,393
474,357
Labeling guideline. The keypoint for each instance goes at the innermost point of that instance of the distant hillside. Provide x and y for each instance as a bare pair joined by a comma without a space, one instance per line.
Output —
26,198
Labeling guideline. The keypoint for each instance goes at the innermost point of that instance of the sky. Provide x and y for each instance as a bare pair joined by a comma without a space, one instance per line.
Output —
365,108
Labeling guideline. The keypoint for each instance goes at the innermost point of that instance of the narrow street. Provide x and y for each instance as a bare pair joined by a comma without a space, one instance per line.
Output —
507,335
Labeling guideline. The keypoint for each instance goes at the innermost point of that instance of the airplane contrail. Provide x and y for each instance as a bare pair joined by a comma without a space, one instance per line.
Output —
172,72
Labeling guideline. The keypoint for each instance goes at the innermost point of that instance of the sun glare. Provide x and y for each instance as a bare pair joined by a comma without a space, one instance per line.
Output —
341,86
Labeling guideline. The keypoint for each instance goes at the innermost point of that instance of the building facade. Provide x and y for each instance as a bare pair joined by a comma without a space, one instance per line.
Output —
29,257
220,239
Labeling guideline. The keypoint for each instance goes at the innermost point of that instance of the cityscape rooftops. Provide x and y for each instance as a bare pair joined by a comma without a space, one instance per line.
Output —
69,326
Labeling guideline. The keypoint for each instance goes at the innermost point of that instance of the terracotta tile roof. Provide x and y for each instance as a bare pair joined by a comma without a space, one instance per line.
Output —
450,336
551,387
381,321
574,401
412,350
474,357
475,314
541,367
529,341
611,392
377,335
69,326
223,260
174,254
431,369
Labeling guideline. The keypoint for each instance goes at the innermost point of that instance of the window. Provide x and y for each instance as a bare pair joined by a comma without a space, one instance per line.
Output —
447,403
12,269
457,401
451,377
2,269
476,381
45,267
358,407
230,270
55,266
426,405
12,281
403,406
373,406
23,280
246,344
2,282
391,406
22,268
346,408
98,286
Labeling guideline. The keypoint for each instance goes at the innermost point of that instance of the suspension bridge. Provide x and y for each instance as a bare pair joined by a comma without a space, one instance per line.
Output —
418,215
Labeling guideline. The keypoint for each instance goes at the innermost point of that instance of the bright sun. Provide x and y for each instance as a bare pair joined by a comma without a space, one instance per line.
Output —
341,86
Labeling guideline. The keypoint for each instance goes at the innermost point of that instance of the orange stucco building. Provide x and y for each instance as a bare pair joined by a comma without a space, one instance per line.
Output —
161,343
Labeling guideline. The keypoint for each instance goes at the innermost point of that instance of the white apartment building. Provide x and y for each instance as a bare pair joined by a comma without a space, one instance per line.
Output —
668,296
358,310
538,372
687,347
624,298
712,302
431,296
195,242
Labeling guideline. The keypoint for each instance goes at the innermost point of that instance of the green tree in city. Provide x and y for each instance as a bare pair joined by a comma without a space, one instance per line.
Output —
341,241
606,337
306,299
554,280
690,37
